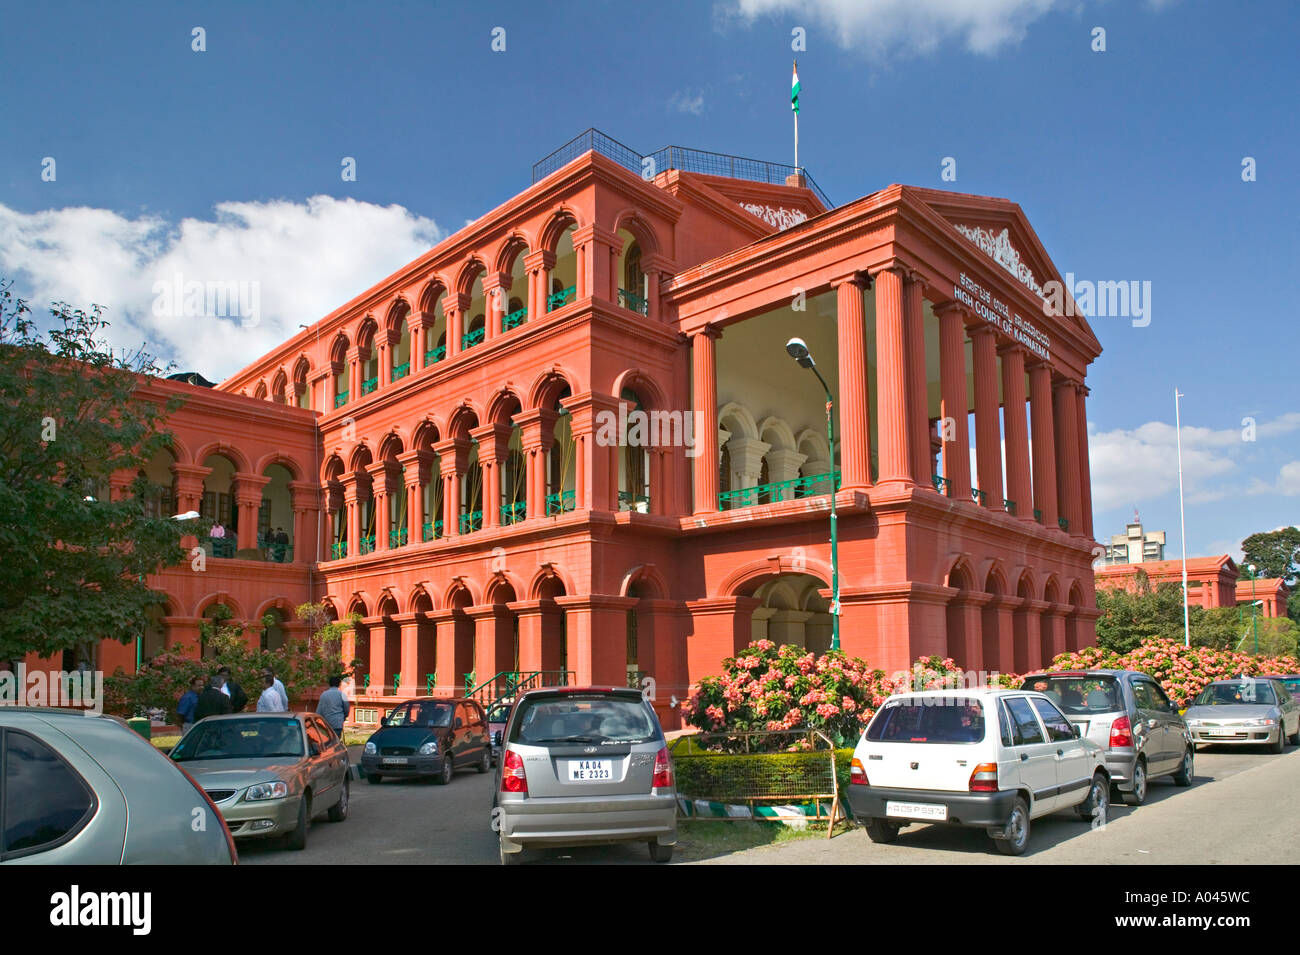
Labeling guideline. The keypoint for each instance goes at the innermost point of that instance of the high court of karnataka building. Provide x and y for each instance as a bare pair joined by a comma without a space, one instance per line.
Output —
440,454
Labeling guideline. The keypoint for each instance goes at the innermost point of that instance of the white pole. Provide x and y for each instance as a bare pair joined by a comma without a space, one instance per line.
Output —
796,144
1182,523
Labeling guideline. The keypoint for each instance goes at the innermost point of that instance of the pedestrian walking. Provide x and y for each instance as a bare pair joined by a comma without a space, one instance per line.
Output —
238,698
333,706
279,687
213,701
189,703
270,701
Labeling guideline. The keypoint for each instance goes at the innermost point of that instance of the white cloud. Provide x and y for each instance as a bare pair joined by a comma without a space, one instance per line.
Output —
307,259
685,101
1286,484
1129,467
886,28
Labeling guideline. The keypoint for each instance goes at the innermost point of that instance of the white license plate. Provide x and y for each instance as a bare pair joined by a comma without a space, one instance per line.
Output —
1223,732
916,810
590,770
395,760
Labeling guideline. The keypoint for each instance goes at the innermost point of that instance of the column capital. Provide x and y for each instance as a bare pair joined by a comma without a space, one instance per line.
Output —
949,306
1011,347
419,460
493,441
590,232
455,301
708,331
856,277
541,259
421,319
452,454
304,494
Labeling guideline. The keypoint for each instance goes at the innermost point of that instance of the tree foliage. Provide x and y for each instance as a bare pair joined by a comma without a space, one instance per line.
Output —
74,567
1274,553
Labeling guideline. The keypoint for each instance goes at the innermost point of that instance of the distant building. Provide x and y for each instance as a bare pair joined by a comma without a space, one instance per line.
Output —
1135,546
1272,592
1211,581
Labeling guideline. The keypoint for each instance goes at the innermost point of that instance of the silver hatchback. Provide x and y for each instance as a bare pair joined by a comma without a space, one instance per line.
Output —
581,766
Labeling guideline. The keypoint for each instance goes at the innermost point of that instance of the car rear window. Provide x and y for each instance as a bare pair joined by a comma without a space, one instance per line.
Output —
584,719
1078,695
928,720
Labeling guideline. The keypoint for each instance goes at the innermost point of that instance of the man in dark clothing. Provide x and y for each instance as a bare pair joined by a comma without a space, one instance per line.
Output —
238,698
280,544
212,702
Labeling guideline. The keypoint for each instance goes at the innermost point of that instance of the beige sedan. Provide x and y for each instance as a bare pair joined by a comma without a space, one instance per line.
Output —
269,774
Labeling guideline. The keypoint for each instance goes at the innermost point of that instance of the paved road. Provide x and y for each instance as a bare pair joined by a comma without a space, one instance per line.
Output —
1241,809
1219,819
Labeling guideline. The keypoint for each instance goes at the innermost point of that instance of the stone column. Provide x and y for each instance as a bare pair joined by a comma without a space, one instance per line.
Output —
305,498
493,448
539,265
411,684
453,455
354,358
892,380
536,432
988,437
1067,454
954,428
189,486
704,395
746,461
415,327
854,407
248,497
597,631
1085,468
380,489
417,463
918,399
1016,429
1044,431
454,305
326,388
496,289
529,614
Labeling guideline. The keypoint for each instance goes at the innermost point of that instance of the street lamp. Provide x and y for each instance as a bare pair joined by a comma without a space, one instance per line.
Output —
798,350
1254,613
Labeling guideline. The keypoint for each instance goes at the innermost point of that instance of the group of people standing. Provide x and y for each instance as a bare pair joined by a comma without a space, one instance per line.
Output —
220,694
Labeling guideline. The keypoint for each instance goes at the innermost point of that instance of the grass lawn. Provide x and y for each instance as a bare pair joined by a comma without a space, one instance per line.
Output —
707,838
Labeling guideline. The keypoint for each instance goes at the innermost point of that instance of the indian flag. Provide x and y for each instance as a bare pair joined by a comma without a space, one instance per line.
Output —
794,87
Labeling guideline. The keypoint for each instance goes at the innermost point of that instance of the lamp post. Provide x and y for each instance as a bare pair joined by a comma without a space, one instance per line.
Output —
1254,611
798,350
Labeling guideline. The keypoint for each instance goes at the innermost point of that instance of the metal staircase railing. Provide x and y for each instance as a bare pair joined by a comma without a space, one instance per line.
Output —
509,683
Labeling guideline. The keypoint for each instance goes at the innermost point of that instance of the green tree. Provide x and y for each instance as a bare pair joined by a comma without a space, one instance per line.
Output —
1220,628
1130,618
1274,553
74,561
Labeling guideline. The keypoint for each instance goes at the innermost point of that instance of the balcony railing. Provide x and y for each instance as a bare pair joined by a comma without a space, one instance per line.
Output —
942,485
1038,515
979,497
1063,524
223,547
435,355
430,681
369,385
514,319
1009,505
627,501
397,538
513,513
401,371
431,530
472,338
367,545
563,297
276,553
809,486
340,399
471,522
561,502
631,300
339,550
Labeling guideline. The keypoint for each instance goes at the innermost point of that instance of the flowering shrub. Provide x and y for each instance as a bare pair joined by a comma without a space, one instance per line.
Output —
768,687
1181,671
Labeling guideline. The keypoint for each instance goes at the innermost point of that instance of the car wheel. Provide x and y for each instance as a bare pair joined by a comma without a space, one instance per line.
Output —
1017,832
374,778
1139,794
448,770
298,838
485,764
1097,805
1280,743
882,831
1294,738
1184,775
660,853
339,811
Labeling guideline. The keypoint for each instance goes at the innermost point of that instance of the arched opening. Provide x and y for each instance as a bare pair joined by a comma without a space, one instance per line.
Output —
476,324
218,506
514,307
368,355
514,477
430,484
361,651
435,336
464,641
275,525
426,646
365,505
1073,629
634,459
792,611
336,508
1047,634
991,624
564,276
633,289
273,630
160,497
960,619
561,460
1020,629
301,391
339,369
555,641
391,662
399,342
471,493
154,639
396,531
279,388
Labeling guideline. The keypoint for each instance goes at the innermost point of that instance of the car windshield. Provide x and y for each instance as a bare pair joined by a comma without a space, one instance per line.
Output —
584,719
928,719
1246,692
1078,695
241,739
421,714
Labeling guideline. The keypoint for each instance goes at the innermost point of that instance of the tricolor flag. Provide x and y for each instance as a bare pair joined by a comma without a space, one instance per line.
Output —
794,87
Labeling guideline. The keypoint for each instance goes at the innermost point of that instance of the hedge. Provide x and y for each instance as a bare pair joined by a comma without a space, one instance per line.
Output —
746,775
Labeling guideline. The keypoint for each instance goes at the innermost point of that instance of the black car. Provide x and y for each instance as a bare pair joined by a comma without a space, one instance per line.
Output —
429,736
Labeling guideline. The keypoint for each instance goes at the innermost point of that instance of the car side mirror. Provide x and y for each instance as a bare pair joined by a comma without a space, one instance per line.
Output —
1077,733
313,749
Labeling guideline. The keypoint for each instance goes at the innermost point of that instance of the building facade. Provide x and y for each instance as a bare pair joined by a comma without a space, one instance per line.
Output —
1135,545
569,437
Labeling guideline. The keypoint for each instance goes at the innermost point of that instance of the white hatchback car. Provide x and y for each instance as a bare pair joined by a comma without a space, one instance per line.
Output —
987,757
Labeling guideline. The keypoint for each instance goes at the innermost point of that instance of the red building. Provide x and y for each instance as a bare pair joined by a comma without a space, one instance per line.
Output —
1211,581
569,436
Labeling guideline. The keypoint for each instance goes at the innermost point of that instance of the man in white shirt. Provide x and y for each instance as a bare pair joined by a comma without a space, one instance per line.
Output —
270,701
279,687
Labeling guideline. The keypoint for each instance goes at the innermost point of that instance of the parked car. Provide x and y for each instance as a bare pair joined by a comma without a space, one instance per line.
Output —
498,715
69,783
1245,711
1289,680
584,765
1128,715
429,737
989,758
270,774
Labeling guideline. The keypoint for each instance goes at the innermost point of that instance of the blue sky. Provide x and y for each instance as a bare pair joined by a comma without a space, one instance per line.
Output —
1128,163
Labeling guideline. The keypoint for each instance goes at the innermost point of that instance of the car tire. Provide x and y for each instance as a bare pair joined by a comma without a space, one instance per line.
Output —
1138,795
448,771
374,779
1186,769
882,831
485,764
298,838
1098,798
660,853
1017,839
1280,744
1294,738
339,811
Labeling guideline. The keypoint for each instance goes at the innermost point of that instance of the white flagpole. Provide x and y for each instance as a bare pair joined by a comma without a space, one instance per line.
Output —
796,143
1182,523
